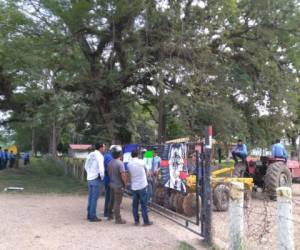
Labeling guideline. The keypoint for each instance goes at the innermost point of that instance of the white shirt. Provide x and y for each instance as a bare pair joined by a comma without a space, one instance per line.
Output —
136,168
94,165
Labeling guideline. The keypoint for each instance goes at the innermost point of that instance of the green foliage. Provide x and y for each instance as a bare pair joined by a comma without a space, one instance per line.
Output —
41,176
185,246
122,71
46,167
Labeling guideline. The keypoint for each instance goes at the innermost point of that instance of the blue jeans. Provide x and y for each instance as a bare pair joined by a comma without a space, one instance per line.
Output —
107,198
242,156
94,191
140,196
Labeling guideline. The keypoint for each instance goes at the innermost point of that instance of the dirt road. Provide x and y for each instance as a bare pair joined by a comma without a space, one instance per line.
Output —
58,222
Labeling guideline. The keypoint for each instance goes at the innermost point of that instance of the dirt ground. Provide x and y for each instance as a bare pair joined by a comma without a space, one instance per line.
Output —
260,223
58,222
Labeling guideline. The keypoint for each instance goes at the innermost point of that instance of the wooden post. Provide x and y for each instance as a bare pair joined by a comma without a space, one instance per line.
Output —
236,216
285,219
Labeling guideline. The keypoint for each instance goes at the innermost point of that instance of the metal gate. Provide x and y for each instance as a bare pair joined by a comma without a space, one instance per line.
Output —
196,158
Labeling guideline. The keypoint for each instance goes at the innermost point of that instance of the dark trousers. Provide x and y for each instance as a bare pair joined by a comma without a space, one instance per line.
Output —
150,189
140,196
116,196
11,163
107,199
235,157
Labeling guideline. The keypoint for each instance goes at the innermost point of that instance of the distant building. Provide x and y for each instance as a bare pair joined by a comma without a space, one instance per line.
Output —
79,150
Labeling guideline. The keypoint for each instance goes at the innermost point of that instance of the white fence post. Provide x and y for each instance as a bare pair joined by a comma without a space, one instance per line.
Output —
236,216
285,218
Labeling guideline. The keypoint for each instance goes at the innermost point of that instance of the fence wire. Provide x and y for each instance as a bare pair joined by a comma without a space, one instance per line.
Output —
260,223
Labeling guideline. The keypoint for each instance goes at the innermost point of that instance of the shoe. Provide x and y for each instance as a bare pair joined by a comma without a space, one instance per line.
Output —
137,223
94,219
148,224
121,221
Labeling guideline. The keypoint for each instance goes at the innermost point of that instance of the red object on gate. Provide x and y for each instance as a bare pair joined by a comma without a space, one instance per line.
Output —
164,163
183,175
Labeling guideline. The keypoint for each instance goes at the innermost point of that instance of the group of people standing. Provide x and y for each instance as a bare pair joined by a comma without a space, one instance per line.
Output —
7,159
106,168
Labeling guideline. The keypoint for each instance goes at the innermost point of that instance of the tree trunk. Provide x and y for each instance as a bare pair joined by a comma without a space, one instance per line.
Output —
107,116
294,152
53,142
161,116
33,150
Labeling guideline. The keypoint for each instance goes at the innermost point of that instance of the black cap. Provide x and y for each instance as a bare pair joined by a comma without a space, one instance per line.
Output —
99,145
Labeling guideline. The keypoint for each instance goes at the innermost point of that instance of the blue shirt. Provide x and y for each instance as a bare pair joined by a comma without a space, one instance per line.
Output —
6,155
155,163
278,150
1,154
241,148
107,158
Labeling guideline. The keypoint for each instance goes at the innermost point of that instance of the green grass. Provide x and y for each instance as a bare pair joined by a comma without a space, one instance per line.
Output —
43,175
226,164
185,246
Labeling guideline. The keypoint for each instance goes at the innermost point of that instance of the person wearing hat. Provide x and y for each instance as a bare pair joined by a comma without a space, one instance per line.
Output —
94,166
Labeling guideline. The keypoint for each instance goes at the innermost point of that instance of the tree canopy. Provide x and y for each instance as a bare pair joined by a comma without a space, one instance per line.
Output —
147,71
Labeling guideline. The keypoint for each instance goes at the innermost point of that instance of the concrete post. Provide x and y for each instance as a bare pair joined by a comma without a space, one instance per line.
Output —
285,219
236,216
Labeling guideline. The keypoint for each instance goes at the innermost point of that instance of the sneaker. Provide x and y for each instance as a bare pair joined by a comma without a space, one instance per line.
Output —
148,224
95,219
121,221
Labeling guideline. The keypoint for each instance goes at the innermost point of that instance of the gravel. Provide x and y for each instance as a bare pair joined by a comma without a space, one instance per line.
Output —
58,222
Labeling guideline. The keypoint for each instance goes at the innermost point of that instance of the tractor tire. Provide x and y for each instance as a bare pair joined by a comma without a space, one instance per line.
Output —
159,196
277,175
174,201
179,205
221,197
239,169
189,205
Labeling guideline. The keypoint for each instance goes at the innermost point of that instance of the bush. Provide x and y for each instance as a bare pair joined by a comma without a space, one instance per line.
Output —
46,166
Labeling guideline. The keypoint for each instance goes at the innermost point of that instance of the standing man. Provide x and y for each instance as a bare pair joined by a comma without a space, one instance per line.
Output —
240,151
1,158
107,158
12,159
155,168
137,171
278,150
94,166
118,181
6,158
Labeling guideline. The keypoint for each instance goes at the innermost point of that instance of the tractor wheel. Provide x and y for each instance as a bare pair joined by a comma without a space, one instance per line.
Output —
278,175
179,203
189,205
159,196
221,197
171,201
174,201
239,169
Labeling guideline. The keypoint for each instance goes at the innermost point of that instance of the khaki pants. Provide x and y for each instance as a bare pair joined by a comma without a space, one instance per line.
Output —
115,202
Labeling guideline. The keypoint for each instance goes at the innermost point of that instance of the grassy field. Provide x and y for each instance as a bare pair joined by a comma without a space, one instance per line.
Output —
41,176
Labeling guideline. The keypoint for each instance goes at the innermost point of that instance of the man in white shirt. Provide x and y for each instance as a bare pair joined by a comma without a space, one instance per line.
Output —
138,177
94,166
